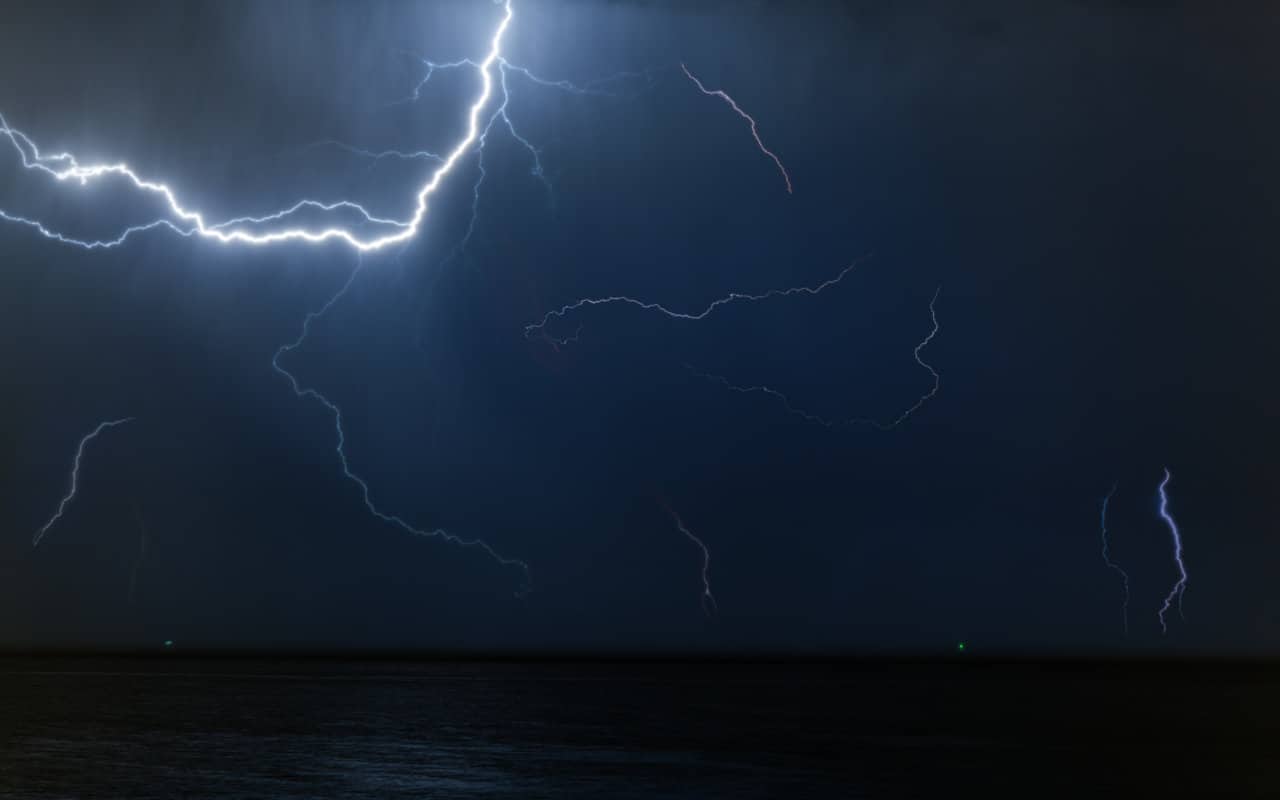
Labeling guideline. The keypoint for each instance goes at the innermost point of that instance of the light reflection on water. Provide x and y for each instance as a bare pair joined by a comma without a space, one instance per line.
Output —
169,728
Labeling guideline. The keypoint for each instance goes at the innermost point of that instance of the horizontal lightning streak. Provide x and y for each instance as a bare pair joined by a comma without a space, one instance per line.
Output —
732,297
851,421
378,155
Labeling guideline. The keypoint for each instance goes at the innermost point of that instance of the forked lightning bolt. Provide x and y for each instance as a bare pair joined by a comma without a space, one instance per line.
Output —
75,475
344,221
273,228
270,228
340,447
1106,559
754,133
708,599
1179,586
351,223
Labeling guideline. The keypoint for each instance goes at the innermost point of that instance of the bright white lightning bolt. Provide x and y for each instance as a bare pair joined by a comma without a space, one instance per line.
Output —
333,409
271,229
505,67
536,170
75,475
64,167
755,134
591,88
850,421
708,600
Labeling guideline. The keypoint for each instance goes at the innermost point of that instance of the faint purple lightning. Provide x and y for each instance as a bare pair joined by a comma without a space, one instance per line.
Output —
539,328
850,421
273,228
937,379
340,448
755,134
1106,559
75,475
708,600
1180,586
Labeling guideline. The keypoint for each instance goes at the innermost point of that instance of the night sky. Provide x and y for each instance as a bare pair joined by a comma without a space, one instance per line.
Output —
1089,187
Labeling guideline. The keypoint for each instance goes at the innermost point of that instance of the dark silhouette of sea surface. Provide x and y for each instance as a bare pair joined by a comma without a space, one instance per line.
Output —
164,728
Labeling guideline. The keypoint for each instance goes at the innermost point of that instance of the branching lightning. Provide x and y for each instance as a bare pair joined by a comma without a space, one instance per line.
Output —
340,448
708,600
75,475
536,170
267,229
1180,586
500,114
755,134
351,223
539,328
343,221
1106,558
849,421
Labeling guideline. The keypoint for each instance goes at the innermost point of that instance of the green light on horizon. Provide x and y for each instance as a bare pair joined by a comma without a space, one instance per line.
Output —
168,643
960,646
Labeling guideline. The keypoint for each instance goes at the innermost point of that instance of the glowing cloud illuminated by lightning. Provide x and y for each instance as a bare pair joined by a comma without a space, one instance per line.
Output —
64,168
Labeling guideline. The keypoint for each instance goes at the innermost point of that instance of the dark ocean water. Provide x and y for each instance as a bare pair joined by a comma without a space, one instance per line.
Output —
236,728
